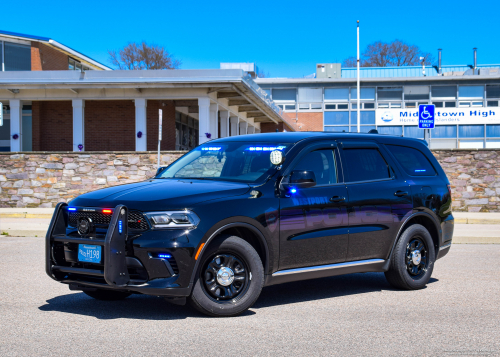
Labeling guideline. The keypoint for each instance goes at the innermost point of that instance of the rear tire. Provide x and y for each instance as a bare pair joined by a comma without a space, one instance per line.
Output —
229,279
107,295
413,259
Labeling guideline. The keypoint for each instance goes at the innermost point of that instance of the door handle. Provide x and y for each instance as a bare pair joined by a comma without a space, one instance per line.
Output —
337,199
401,193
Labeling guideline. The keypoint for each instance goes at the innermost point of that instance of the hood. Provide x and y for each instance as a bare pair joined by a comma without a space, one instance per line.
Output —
160,194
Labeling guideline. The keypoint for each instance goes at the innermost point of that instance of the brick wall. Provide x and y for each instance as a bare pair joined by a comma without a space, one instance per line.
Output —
52,125
310,121
36,61
109,125
46,58
168,124
42,180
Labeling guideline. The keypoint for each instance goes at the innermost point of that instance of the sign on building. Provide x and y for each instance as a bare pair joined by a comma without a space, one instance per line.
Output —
442,116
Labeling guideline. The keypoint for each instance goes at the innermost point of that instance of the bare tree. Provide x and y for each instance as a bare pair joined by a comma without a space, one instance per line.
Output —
143,56
262,74
385,54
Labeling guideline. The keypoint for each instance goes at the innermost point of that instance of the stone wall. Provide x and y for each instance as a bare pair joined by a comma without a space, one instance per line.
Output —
475,178
43,179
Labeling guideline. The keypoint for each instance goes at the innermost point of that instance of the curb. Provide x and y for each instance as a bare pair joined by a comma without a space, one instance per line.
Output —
26,215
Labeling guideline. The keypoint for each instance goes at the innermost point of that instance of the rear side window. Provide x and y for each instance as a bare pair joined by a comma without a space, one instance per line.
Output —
365,165
413,161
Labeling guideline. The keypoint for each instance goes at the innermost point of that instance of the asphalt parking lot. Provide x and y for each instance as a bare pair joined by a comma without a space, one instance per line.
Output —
458,314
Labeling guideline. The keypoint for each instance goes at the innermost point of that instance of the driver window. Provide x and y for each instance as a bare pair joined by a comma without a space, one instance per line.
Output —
322,163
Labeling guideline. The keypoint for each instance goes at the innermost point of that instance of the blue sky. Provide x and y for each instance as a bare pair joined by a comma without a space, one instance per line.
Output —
284,38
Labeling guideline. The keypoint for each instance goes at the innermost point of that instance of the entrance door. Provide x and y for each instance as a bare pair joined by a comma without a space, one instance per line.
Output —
313,221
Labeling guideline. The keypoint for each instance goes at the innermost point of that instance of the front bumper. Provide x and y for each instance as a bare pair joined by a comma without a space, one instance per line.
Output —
120,269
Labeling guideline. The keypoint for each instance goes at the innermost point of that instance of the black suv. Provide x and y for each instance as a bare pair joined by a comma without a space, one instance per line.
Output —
240,213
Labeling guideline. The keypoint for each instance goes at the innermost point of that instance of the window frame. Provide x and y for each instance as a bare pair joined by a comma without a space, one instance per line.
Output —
324,145
366,145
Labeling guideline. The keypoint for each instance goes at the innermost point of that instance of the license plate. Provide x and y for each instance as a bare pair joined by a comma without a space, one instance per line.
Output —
89,253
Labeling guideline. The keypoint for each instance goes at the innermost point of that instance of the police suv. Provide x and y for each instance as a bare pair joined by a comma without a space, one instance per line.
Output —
240,213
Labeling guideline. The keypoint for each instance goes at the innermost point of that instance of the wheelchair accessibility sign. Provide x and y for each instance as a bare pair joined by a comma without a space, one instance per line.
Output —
426,116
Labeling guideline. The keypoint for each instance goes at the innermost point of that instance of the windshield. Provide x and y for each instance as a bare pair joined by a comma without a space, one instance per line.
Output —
231,161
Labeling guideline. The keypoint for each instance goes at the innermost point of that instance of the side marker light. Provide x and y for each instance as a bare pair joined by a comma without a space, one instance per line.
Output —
199,251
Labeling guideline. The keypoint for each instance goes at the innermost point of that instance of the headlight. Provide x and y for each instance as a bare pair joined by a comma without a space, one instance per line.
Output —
173,219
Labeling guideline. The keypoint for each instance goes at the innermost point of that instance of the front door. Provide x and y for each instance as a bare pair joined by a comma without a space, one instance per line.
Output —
379,201
313,221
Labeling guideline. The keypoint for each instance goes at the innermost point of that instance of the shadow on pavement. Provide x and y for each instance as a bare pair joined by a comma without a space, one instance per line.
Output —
153,308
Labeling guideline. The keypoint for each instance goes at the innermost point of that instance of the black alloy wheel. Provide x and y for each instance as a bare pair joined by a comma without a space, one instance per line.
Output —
229,278
416,257
225,277
412,260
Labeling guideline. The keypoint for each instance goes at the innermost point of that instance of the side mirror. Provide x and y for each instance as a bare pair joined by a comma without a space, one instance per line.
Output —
160,170
302,179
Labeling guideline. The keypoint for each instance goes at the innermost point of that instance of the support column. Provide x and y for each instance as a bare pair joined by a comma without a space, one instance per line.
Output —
141,144
78,124
224,123
234,125
243,127
251,130
16,125
214,120
204,119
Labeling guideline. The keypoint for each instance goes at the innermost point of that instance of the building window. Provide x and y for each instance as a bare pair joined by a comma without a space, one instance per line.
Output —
336,118
445,104
416,92
413,132
492,103
493,91
444,92
186,132
16,57
339,106
365,93
337,94
310,95
284,94
74,65
414,104
469,104
390,130
389,93
471,91
354,106
367,117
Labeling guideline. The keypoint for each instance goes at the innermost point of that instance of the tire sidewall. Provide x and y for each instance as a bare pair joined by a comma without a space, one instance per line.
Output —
400,262
243,250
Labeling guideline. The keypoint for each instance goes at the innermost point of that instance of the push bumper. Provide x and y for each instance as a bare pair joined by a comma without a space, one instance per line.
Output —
115,274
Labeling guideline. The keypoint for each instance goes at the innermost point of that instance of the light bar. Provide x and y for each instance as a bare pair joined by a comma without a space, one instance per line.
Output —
265,148
211,148
164,256
107,211
71,208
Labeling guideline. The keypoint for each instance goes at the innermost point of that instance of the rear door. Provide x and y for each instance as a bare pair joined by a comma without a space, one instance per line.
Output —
313,221
378,200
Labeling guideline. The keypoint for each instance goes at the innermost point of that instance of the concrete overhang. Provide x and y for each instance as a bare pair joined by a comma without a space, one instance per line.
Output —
231,84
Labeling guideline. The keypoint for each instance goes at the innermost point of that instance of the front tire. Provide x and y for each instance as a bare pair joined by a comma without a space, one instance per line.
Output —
230,278
107,295
413,259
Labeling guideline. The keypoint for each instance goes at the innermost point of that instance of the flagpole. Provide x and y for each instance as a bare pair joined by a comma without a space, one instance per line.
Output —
357,88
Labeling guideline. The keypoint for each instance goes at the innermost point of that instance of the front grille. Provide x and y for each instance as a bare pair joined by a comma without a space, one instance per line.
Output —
136,220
